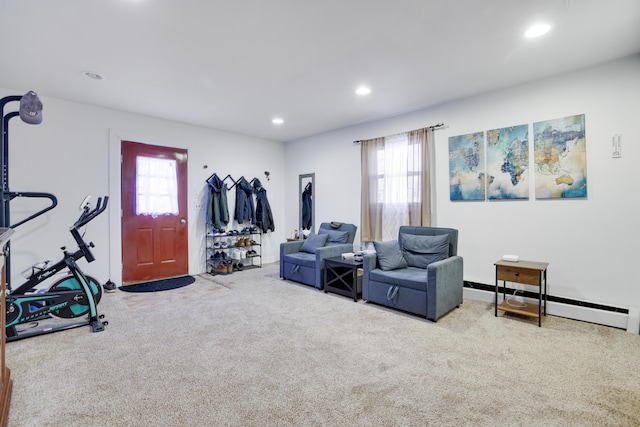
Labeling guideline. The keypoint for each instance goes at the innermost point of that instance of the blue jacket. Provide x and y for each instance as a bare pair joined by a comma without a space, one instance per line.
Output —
244,202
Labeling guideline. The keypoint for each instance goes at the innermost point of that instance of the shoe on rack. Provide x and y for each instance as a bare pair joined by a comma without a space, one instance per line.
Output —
221,268
253,242
109,286
230,267
240,242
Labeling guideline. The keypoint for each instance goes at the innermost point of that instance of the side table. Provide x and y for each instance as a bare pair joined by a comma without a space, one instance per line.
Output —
343,276
526,272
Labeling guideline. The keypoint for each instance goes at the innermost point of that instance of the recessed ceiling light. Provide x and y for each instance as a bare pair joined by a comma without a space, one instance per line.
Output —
92,75
537,30
277,121
363,90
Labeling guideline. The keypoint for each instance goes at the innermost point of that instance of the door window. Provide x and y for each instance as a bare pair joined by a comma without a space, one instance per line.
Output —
156,186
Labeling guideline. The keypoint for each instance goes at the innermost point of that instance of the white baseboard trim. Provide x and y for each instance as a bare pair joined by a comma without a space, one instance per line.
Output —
585,314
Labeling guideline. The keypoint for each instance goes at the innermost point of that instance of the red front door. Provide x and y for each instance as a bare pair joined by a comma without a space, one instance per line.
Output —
154,245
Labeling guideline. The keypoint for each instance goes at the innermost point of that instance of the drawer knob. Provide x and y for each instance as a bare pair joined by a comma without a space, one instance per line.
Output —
517,273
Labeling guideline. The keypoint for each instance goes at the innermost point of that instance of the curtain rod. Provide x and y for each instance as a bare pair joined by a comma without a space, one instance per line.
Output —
432,127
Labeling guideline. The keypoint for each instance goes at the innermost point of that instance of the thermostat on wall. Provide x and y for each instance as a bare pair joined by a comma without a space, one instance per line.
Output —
513,258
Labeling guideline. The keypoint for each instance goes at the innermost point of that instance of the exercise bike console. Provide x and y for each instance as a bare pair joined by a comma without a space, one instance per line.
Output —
73,296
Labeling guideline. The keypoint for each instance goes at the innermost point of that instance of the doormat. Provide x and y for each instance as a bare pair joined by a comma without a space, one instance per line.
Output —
159,285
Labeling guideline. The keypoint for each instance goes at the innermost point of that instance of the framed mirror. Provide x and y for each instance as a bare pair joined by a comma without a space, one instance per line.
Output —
307,206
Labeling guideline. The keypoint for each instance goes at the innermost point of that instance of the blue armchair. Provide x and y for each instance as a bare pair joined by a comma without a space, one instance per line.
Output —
303,260
419,273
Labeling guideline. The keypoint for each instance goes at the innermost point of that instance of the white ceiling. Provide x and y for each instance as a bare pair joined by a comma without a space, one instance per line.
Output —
235,65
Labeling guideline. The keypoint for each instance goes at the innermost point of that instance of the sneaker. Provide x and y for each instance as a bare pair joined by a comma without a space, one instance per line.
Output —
109,286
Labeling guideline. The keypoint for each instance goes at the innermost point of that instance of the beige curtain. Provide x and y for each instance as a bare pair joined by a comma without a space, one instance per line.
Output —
396,184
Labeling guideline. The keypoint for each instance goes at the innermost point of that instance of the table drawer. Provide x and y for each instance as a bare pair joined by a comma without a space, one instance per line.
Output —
518,275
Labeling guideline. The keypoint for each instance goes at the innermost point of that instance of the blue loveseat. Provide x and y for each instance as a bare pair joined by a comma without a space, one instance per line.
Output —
303,260
419,273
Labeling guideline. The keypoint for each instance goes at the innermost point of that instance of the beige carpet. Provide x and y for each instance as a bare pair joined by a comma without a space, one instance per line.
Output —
249,349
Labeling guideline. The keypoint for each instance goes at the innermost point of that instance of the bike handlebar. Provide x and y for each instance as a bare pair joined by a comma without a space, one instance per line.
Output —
88,215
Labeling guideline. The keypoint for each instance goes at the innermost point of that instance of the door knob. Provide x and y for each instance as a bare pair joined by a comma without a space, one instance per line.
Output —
183,221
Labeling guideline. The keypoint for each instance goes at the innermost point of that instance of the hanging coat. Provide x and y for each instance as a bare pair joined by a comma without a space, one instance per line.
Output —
244,202
218,205
307,204
264,217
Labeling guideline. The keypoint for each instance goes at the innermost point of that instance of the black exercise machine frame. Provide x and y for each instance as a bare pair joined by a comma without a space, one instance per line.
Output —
61,302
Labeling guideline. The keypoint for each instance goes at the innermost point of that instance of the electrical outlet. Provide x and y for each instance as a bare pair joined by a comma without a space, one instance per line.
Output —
616,146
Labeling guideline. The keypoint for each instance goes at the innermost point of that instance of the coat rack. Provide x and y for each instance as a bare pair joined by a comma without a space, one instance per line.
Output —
235,181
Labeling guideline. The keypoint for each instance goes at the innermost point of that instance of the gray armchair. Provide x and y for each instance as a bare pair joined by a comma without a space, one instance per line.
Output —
419,273
303,260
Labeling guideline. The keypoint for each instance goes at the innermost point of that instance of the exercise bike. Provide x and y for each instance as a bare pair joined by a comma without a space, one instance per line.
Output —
73,296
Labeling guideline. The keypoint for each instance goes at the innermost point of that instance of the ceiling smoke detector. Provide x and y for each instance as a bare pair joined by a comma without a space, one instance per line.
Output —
91,75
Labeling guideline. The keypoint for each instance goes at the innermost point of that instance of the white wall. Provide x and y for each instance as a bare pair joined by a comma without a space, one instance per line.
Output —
591,245
75,151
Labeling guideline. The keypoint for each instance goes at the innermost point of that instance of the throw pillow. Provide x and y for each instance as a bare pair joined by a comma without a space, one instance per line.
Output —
420,251
313,242
335,236
389,255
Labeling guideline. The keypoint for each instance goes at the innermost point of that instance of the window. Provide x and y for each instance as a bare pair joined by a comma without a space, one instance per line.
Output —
156,186
395,184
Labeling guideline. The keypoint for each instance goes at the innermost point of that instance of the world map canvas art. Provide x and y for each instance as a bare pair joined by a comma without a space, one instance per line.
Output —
560,158
508,162
466,167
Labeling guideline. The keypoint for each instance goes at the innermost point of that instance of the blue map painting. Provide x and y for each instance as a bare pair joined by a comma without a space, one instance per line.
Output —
508,162
466,167
560,156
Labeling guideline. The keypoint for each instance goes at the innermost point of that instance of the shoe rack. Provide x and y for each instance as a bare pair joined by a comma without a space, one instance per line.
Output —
230,251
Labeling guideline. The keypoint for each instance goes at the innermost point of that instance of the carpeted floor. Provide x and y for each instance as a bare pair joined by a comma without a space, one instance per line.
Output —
250,349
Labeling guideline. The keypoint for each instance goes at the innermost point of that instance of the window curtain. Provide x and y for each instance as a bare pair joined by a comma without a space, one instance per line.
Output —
156,186
396,184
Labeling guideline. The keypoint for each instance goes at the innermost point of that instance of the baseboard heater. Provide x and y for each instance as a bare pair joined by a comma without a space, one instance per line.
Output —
550,298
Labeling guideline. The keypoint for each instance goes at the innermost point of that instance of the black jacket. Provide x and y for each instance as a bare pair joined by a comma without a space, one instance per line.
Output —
307,204
264,217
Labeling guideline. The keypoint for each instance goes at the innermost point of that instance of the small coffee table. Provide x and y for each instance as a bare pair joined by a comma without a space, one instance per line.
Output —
343,276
